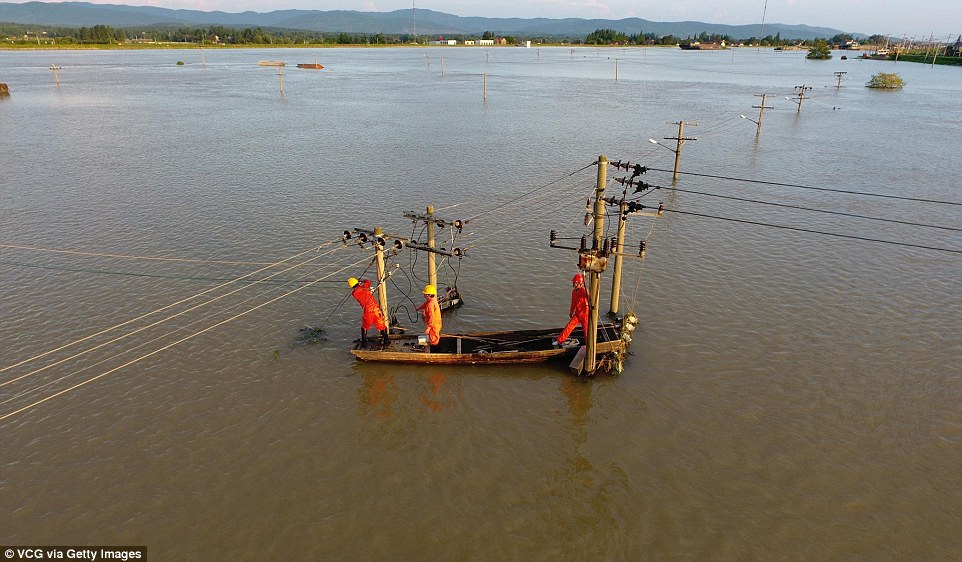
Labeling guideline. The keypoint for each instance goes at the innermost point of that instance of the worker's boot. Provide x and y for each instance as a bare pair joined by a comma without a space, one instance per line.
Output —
363,336
384,338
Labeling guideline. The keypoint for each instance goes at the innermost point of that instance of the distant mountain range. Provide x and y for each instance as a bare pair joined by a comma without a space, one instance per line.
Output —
78,14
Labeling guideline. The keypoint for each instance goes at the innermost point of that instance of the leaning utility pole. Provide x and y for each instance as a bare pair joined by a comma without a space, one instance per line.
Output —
801,96
681,140
761,111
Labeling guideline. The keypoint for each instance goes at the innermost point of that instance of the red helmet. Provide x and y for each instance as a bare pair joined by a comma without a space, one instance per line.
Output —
579,278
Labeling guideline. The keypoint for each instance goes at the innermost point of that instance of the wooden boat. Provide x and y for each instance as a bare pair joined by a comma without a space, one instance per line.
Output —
271,63
311,65
487,348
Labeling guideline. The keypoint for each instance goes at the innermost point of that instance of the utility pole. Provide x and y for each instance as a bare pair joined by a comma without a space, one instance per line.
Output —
801,96
594,260
838,79
594,274
761,111
446,299
681,140
56,74
432,262
381,278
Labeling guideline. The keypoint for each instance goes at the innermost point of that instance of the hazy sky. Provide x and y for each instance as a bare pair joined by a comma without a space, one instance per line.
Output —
893,17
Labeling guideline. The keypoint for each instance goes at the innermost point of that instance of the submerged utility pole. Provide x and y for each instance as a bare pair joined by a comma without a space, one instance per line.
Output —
381,278
838,79
594,273
801,96
432,261
451,297
677,150
761,112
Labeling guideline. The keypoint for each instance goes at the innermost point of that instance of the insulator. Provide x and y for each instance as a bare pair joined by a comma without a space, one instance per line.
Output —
459,224
458,252
362,238
661,208
626,337
347,235
614,243
639,169
398,245
587,219
440,223
606,248
587,204
641,186
553,237
594,245
584,243
631,319
641,248
380,241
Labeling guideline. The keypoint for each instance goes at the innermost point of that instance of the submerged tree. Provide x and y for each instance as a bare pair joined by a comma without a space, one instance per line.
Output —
886,81
819,51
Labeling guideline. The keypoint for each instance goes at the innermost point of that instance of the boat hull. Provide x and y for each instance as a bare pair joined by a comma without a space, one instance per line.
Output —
486,348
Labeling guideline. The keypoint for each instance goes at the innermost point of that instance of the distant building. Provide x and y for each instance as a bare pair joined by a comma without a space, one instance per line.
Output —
444,42
469,41
484,42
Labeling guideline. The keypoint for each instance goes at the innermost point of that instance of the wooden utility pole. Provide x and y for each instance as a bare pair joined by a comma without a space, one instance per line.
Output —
56,74
761,111
616,70
485,86
619,248
280,73
594,277
681,140
801,96
381,277
624,209
432,263
838,79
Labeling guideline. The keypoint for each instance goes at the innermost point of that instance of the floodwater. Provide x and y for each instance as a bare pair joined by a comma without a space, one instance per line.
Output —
791,395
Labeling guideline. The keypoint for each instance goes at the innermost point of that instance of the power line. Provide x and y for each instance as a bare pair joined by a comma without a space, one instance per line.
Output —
916,199
128,334
797,229
168,346
7,368
853,215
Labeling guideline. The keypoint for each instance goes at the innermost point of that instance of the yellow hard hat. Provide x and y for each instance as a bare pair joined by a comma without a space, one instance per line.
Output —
430,290
351,282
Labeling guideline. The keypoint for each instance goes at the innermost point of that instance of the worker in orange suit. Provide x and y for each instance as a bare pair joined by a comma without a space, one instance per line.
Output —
371,313
432,314
578,311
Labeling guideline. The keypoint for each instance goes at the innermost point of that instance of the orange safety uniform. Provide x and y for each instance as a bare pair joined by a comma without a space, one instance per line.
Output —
432,319
578,311
371,310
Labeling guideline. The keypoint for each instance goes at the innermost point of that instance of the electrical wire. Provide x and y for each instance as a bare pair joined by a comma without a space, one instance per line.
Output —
128,334
202,293
853,215
797,229
915,199
168,346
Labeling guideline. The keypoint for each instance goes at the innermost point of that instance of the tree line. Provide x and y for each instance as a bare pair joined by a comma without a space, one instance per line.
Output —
219,34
